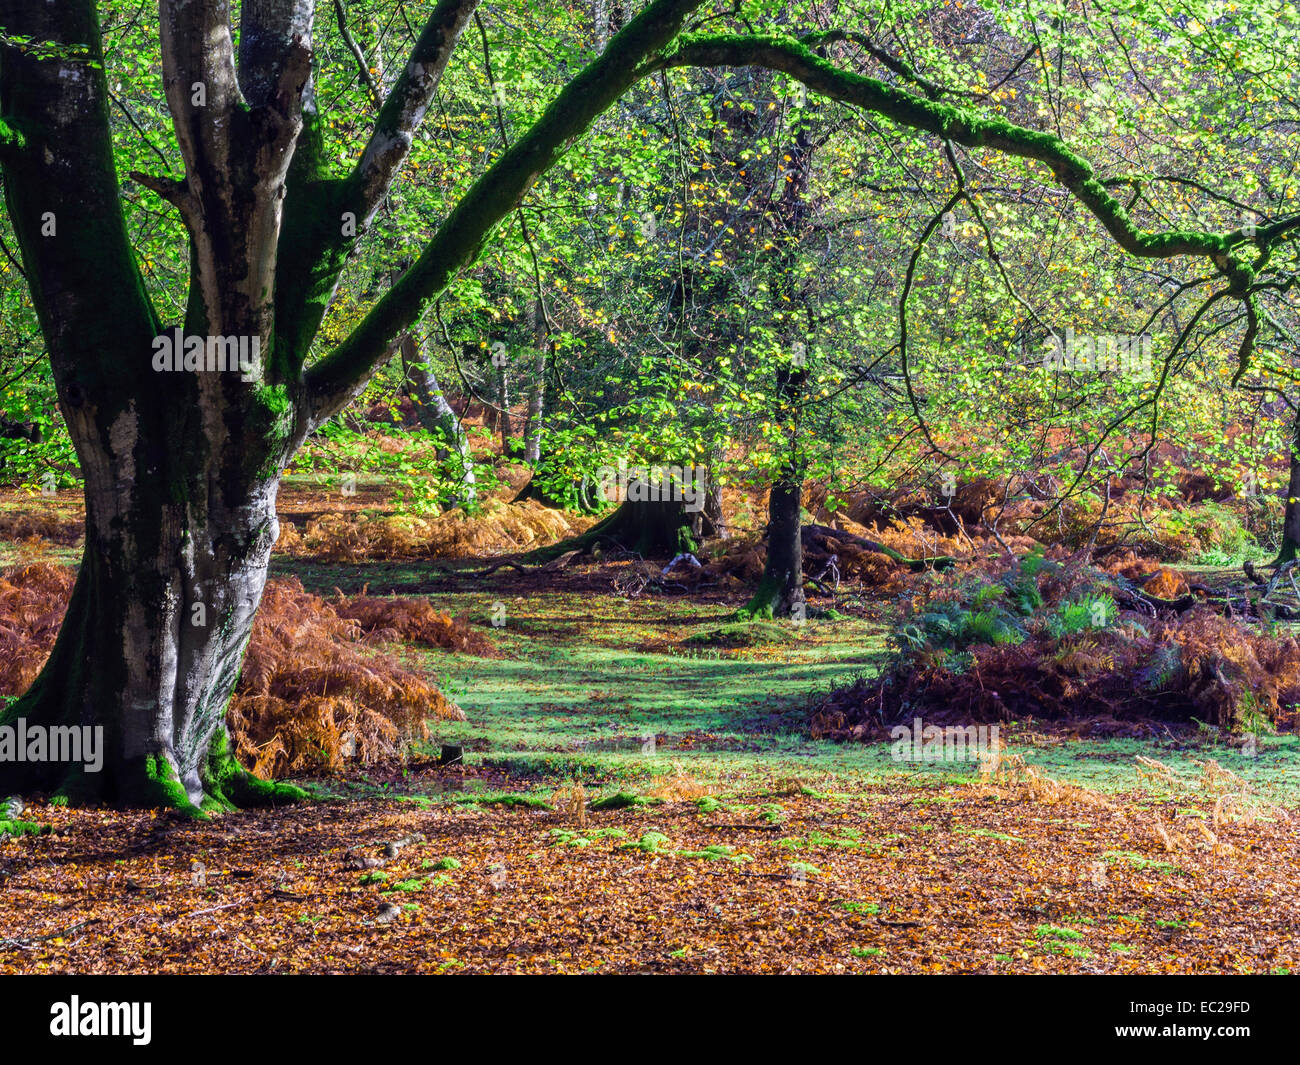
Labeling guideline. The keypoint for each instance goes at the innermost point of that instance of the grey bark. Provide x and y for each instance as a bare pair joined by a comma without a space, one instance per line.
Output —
503,420
435,413
536,387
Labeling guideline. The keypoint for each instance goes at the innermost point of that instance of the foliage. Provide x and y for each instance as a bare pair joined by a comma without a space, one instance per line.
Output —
962,655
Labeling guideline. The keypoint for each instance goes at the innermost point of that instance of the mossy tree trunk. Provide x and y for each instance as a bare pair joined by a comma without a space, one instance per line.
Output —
436,414
181,459
780,593
1290,545
650,528
160,616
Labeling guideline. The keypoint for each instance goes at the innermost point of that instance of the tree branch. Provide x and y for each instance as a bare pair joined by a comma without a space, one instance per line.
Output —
342,374
963,127
363,68
403,111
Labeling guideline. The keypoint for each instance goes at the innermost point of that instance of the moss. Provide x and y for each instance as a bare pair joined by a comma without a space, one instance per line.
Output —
762,605
13,829
153,782
741,634
10,138
229,785
621,800
649,843
271,421
502,799
717,852
77,788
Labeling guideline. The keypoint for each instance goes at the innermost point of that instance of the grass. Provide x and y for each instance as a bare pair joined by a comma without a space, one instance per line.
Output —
609,691
12,829
1139,862
616,696
579,695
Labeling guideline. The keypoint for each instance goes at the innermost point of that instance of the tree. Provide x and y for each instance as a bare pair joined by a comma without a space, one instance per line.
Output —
182,454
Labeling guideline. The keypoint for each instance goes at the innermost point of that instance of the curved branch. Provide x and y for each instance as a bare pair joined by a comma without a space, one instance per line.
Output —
333,381
968,129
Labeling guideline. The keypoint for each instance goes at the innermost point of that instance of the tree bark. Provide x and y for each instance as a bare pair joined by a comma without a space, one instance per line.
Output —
1290,544
180,468
156,629
780,593
536,388
503,407
651,529
600,23
436,415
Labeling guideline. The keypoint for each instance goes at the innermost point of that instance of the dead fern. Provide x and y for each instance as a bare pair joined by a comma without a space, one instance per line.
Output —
570,803
311,696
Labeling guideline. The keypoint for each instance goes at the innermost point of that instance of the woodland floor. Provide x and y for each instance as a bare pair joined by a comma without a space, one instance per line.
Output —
764,851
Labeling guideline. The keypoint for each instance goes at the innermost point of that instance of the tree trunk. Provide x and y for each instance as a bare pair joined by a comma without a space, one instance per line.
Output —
436,415
780,592
533,424
1290,545
536,389
174,564
503,408
651,529
600,23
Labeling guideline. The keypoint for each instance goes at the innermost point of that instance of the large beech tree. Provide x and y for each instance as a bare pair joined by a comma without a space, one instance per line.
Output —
181,468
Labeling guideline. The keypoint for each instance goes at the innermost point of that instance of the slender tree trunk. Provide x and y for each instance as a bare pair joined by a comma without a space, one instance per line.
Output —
435,413
1290,545
536,389
533,423
780,592
503,404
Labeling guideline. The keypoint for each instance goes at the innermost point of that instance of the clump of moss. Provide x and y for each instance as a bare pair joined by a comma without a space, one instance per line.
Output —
502,799
14,829
649,843
716,852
